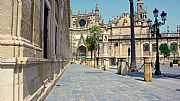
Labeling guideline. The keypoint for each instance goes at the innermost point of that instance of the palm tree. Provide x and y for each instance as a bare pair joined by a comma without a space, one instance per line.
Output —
133,51
90,44
93,40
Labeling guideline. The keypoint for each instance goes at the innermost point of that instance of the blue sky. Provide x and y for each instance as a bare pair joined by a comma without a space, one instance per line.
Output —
108,8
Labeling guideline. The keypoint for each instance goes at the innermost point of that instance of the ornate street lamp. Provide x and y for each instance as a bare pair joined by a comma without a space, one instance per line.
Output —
155,29
98,55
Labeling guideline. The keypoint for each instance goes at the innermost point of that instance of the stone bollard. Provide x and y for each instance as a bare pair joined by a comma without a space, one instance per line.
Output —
147,70
106,64
122,68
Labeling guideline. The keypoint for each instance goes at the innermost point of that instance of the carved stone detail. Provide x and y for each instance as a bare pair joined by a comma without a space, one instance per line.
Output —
26,22
5,16
36,24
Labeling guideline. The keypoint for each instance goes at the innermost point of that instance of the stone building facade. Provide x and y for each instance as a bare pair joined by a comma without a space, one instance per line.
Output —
34,47
118,33
80,28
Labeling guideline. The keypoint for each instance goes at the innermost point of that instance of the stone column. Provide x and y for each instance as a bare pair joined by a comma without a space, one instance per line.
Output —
52,34
58,55
10,25
147,70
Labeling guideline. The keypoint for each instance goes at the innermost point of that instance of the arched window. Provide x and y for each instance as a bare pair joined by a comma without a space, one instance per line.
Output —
141,16
146,47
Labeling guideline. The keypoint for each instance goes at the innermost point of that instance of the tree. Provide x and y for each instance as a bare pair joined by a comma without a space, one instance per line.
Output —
133,51
164,50
95,31
90,44
173,49
93,40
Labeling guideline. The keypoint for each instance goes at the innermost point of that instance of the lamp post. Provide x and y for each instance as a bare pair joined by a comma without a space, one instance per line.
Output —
155,29
94,50
98,55
149,36
133,67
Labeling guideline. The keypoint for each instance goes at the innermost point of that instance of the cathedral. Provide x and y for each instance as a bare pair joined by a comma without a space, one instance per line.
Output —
117,31
34,47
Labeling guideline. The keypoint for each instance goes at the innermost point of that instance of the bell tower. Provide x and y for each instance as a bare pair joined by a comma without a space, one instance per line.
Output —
142,14
97,9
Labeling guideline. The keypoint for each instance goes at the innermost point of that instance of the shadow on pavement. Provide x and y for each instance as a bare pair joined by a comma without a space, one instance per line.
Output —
164,75
92,72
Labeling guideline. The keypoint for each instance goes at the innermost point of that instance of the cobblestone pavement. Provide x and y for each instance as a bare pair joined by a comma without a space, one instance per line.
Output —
172,72
81,83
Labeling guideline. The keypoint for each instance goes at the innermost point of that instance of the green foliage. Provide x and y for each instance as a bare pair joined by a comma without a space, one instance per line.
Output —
95,31
90,42
93,39
164,49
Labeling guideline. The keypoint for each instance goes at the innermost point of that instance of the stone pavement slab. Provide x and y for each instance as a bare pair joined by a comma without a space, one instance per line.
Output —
81,83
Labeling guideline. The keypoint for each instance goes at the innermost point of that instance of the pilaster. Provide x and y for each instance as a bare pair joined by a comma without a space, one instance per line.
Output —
7,79
52,33
58,50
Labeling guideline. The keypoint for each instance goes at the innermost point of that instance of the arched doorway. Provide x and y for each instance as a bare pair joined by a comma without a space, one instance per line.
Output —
81,53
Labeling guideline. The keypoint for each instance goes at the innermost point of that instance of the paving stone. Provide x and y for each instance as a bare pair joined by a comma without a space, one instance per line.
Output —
81,83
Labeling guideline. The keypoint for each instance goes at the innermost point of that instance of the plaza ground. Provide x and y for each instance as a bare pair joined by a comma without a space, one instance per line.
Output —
82,83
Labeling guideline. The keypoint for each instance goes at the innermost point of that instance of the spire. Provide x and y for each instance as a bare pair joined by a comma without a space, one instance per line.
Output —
92,11
97,9
167,29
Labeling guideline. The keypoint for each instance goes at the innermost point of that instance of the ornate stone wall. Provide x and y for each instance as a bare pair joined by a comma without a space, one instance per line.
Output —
24,73
26,20
5,17
36,23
